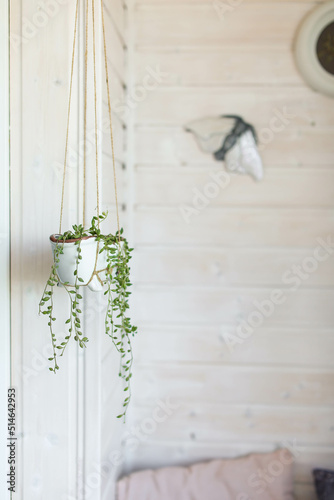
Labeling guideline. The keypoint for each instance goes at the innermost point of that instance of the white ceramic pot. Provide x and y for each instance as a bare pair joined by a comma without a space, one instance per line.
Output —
67,262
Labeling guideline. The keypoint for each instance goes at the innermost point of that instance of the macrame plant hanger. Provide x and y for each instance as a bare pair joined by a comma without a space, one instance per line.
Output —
86,3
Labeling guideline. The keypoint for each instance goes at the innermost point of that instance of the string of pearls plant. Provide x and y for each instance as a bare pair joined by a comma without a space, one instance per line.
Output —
115,280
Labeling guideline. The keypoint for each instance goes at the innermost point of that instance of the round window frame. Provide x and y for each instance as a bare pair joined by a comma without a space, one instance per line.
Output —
305,49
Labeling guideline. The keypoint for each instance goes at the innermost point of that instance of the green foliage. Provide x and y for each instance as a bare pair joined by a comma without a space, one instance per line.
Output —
116,283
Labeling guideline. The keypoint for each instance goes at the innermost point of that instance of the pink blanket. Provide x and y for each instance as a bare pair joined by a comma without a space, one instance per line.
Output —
255,477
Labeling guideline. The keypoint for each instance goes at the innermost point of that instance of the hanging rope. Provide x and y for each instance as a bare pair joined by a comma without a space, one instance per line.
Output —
110,121
95,113
85,114
95,272
68,115
85,122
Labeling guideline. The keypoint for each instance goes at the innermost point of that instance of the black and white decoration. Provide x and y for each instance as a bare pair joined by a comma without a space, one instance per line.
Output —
230,139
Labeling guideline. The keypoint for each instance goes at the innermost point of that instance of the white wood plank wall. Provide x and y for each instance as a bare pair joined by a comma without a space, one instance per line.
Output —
196,282
40,64
67,426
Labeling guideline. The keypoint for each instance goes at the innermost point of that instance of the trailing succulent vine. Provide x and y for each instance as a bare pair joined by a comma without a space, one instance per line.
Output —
116,282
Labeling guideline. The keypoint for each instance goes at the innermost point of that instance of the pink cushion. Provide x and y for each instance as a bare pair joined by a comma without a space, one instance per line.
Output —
265,476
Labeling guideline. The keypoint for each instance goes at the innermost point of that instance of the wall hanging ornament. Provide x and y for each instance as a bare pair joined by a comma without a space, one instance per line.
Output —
314,49
85,257
230,139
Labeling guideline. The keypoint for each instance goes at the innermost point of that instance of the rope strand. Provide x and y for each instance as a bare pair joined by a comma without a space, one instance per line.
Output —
68,116
110,120
85,122
85,115
95,111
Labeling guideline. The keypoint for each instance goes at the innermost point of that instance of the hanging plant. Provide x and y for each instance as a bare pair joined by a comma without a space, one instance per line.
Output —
87,258
78,255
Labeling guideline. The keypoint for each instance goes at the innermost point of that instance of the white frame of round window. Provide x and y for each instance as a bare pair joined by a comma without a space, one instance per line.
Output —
306,49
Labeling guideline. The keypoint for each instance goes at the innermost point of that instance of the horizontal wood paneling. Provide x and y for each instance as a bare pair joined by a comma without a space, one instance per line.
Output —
119,137
267,346
300,107
227,267
115,48
115,14
292,146
209,306
250,23
214,423
108,187
201,385
233,227
196,282
47,453
116,85
315,187
243,65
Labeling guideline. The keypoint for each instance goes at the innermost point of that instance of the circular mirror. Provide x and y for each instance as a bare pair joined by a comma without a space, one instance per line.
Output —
314,49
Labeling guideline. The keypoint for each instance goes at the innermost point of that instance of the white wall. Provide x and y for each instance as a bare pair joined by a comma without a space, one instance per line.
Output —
195,282
5,381
67,423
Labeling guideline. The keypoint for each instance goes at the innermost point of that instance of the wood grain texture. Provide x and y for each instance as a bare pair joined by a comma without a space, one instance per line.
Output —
239,65
228,385
115,45
196,281
284,346
115,15
239,227
282,187
293,146
59,440
210,306
266,107
47,437
202,24
228,267
215,423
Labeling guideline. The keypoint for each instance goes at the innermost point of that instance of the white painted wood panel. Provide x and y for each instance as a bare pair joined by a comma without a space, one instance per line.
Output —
240,385
212,306
197,281
239,227
108,385
115,47
240,65
119,134
282,187
267,346
115,82
108,186
5,302
46,423
115,13
215,423
257,23
61,424
227,267
293,146
260,106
